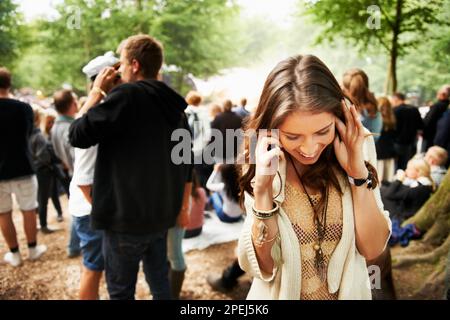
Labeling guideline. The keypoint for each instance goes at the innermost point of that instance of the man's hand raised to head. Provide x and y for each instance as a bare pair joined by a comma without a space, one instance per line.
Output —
106,79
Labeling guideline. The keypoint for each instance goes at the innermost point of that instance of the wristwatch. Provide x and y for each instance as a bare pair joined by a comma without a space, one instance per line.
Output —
360,182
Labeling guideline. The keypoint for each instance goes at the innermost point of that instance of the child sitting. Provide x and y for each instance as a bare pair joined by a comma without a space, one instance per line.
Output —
437,157
411,189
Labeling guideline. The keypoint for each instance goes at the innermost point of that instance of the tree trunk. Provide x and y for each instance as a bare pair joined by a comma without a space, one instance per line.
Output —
391,81
139,5
430,257
434,285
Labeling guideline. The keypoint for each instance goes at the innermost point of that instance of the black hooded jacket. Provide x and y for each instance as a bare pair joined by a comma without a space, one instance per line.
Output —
137,188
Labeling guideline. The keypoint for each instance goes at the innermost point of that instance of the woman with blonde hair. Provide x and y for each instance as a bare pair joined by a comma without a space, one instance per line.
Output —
356,85
314,211
385,144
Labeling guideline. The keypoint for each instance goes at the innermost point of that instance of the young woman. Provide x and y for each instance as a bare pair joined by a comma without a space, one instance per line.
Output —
224,185
356,86
309,229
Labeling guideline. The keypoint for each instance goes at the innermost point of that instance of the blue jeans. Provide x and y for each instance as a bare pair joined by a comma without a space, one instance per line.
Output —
90,242
217,204
175,254
74,242
123,253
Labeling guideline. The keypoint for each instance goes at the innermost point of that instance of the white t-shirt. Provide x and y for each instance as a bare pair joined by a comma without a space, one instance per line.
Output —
83,175
230,207
199,122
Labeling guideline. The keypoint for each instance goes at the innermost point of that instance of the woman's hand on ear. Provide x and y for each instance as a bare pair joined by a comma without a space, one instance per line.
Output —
267,155
348,147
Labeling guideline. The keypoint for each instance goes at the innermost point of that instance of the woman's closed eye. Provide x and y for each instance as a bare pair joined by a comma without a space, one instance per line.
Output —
292,138
320,133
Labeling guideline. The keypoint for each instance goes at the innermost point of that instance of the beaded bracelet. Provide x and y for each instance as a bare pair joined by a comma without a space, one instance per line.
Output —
265,214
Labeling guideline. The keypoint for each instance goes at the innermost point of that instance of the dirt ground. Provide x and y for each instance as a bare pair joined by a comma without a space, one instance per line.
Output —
56,277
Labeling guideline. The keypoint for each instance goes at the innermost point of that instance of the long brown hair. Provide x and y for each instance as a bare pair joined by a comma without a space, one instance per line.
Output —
298,83
356,83
387,114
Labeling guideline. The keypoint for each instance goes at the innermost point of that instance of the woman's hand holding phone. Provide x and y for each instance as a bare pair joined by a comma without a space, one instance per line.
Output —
267,155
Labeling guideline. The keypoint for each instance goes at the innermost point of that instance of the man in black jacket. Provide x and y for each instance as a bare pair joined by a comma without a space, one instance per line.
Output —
409,124
431,119
138,191
227,121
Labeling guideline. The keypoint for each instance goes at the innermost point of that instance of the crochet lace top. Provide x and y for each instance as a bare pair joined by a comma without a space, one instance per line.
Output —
298,208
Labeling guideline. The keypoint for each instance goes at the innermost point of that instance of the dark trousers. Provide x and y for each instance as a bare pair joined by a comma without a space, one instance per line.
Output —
387,289
47,188
404,153
231,274
123,253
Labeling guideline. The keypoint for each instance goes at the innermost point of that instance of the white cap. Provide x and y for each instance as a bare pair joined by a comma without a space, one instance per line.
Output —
96,65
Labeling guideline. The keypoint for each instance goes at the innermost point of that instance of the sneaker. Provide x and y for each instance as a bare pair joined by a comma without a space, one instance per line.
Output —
13,259
60,219
36,252
47,230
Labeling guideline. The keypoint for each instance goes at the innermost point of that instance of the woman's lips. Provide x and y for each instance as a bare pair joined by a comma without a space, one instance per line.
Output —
308,156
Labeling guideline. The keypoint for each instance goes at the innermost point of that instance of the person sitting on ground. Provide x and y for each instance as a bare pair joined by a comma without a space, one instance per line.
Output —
224,184
411,189
437,157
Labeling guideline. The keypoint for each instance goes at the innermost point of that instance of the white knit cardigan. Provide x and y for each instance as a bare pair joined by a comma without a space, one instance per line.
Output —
347,270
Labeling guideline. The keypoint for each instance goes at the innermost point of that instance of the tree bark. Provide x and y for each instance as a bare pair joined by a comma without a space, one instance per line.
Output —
434,216
391,81
434,285
431,257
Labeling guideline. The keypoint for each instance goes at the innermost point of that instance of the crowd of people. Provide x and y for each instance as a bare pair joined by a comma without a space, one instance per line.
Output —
348,169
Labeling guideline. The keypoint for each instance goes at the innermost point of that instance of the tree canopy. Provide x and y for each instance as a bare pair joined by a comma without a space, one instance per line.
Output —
393,26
